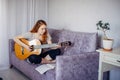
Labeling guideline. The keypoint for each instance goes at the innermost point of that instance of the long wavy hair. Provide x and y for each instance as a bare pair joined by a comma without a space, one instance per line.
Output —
35,28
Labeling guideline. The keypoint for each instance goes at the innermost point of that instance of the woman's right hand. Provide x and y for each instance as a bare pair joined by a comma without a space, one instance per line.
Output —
29,48
17,40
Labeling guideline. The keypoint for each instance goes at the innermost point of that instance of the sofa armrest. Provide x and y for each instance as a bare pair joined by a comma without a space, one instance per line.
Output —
77,67
11,45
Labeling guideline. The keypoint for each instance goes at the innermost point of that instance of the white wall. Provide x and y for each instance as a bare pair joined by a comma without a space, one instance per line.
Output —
82,15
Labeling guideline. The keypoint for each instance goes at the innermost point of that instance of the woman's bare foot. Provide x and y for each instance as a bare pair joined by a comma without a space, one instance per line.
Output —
44,61
48,58
53,61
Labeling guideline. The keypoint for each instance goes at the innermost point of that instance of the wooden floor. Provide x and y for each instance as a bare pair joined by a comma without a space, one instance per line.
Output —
12,74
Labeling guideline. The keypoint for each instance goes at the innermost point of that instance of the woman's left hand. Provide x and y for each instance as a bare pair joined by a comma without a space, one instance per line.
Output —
56,47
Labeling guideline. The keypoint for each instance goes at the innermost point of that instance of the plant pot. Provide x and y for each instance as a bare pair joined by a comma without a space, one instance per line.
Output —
107,44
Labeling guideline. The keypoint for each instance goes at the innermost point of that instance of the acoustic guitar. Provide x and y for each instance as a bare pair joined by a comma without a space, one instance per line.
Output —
22,53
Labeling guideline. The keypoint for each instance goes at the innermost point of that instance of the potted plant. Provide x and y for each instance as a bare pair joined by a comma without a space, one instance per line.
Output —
107,42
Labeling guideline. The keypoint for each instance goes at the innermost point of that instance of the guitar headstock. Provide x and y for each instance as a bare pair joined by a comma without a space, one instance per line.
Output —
66,43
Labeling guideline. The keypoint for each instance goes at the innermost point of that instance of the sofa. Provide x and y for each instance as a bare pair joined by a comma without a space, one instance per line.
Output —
76,62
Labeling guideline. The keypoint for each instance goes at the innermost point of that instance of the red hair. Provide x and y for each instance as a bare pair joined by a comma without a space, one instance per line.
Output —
37,26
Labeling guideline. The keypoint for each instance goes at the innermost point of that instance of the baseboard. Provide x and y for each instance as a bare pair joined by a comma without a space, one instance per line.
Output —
4,67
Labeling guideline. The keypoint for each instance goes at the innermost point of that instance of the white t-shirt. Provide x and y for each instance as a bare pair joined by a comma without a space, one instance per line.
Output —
30,36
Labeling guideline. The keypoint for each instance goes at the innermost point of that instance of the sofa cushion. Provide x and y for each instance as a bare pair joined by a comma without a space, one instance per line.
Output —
51,74
55,34
82,42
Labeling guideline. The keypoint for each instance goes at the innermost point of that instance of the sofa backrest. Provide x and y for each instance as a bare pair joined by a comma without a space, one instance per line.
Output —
81,41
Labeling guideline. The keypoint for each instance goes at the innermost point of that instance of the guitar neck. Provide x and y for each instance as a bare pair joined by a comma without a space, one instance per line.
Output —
44,46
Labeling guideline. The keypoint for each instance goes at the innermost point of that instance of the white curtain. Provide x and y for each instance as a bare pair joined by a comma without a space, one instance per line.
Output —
17,17
3,34
20,16
24,13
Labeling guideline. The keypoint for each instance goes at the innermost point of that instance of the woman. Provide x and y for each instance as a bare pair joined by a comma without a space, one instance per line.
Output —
39,32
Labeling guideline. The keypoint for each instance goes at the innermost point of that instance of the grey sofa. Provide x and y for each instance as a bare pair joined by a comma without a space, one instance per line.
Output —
78,62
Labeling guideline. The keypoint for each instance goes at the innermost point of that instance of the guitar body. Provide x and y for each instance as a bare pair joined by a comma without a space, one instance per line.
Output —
22,53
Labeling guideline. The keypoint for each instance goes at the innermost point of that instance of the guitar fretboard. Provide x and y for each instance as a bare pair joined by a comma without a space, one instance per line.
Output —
45,46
